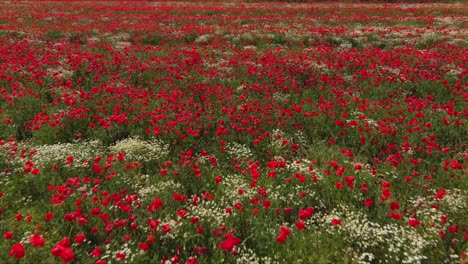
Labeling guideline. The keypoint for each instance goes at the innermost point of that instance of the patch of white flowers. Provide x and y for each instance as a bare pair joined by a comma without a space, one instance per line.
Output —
237,150
141,150
346,44
452,70
247,256
60,72
281,97
204,38
299,166
277,140
231,185
25,238
81,152
398,242
454,201
122,45
300,138
175,229
148,191
209,211
357,114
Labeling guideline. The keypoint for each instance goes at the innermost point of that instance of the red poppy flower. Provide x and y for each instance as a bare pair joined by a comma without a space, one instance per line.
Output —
17,251
306,213
155,205
368,202
144,246
49,216
67,255
229,243
414,222
335,221
8,235
300,225
37,240
79,238
281,238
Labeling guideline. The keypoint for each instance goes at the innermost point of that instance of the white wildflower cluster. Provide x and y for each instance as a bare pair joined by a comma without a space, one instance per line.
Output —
127,250
388,174
240,88
239,38
120,40
85,189
122,45
365,258
300,138
147,192
122,36
203,38
231,185
60,72
452,70
357,114
459,41
348,78
346,44
133,182
456,201
110,254
247,256
299,166
430,36
290,195
401,243
8,155
269,35
239,151
24,200
277,140
140,150
93,40
25,237
210,212
425,213
175,229
280,141
205,159
222,65
386,72
322,67
318,218
281,97
249,47
81,152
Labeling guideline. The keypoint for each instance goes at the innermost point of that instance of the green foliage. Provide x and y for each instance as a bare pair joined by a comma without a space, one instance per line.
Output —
155,39
54,35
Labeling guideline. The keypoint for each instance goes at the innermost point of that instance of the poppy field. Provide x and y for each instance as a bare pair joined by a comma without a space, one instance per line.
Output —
192,132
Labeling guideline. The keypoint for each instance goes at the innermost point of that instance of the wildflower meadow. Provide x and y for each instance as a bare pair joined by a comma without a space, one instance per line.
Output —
233,132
